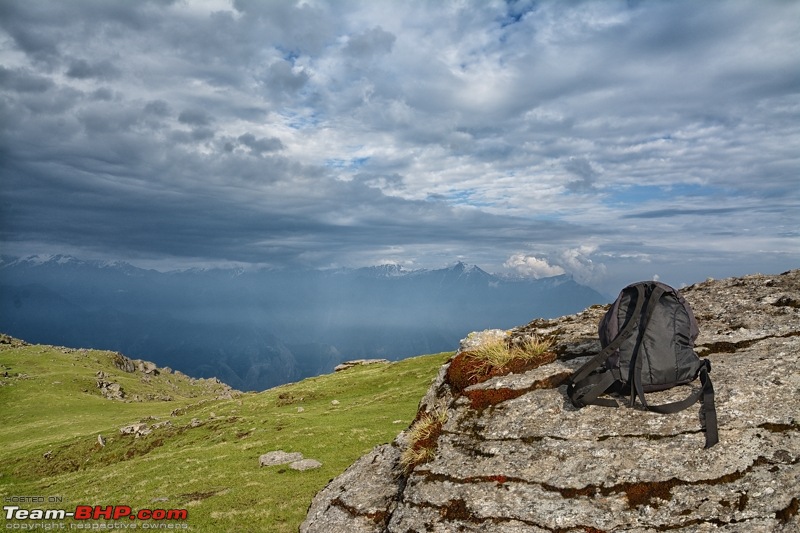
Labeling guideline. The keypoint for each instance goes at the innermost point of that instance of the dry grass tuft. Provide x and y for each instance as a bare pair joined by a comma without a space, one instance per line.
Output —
498,355
422,437
496,359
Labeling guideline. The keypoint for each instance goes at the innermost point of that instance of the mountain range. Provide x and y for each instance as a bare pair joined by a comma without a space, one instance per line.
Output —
255,329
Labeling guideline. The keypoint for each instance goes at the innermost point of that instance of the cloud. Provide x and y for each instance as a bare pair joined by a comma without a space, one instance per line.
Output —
666,213
23,81
194,117
370,43
282,79
528,265
299,27
579,263
102,70
260,145
584,170
322,133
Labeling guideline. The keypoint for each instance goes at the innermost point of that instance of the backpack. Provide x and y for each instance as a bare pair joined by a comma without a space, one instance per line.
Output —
647,338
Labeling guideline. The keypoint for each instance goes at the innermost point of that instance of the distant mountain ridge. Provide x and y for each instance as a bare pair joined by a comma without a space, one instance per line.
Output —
388,270
257,328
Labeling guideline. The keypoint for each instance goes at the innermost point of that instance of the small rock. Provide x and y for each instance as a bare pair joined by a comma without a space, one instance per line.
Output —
479,338
300,409
101,441
134,429
334,402
279,457
305,464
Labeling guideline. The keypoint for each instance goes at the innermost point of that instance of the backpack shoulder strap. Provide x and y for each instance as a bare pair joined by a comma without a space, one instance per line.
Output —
708,411
636,382
583,392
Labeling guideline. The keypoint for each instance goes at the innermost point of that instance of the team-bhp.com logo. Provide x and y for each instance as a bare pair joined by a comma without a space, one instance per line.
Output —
113,516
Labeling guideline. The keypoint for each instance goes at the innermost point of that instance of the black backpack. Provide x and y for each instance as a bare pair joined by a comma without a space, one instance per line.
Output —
648,339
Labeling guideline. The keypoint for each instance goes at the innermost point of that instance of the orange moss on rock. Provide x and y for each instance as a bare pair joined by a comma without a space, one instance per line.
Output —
482,398
466,370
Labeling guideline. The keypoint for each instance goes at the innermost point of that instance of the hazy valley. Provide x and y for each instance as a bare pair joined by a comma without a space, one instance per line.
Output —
255,329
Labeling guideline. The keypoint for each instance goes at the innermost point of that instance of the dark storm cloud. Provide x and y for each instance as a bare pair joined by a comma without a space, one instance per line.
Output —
158,108
667,213
23,81
260,145
195,117
102,70
130,216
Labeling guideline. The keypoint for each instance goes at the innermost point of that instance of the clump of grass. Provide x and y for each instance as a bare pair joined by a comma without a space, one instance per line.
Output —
423,436
497,358
498,355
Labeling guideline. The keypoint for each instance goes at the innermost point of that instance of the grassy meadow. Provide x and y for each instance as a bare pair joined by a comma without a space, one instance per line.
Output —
203,456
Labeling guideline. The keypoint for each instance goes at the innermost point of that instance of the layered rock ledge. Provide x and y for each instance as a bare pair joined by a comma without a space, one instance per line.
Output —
527,461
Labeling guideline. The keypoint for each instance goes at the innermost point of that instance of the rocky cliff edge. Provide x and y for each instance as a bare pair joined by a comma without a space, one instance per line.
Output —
513,455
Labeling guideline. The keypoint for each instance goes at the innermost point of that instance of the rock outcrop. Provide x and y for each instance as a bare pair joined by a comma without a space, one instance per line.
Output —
359,362
515,456
139,429
108,389
11,341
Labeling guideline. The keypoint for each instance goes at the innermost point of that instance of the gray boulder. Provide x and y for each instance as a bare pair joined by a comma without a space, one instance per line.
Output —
279,457
111,391
295,460
515,456
305,464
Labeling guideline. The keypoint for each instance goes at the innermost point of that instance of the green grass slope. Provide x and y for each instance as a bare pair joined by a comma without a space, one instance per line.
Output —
202,455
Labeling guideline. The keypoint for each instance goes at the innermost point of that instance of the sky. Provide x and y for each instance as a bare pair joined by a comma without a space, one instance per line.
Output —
613,141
